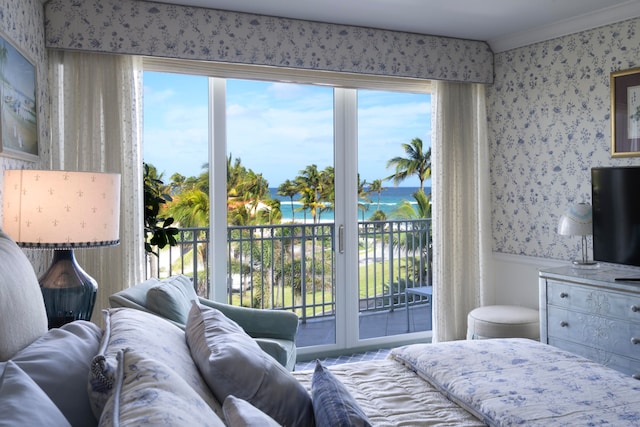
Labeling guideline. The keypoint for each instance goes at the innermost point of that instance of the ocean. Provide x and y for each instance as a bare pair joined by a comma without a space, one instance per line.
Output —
390,199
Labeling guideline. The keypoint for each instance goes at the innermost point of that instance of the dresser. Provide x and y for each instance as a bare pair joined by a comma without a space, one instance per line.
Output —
589,312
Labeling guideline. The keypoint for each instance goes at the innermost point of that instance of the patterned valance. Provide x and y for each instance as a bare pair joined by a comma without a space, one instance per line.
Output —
157,29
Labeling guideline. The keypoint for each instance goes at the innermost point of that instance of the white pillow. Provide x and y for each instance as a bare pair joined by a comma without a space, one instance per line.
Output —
23,403
150,393
240,413
233,364
59,363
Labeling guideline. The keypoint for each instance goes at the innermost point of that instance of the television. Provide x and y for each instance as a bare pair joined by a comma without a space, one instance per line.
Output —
615,199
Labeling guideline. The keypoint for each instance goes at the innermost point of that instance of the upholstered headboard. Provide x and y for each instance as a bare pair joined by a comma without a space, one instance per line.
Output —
23,317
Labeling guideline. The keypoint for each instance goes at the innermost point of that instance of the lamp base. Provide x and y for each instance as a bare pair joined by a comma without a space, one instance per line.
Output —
69,292
585,264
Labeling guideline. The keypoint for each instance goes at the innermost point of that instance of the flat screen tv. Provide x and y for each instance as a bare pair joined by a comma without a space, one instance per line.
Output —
615,197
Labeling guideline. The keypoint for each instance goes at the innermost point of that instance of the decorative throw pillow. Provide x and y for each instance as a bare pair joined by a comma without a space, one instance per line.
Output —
19,294
150,393
150,336
233,364
333,405
172,298
23,403
240,413
59,362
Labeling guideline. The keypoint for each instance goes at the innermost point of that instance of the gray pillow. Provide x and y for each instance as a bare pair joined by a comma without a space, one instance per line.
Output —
333,405
172,298
59,364
23,403
147,392
23,318
233,364
240,413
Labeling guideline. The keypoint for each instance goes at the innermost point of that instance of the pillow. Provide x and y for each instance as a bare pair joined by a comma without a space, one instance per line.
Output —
23,318
333,405
150,336
172,298
240,413
23,403
233,364
150,393
62,357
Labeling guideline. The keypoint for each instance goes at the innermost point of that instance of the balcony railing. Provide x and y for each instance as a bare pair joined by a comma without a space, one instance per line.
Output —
292,266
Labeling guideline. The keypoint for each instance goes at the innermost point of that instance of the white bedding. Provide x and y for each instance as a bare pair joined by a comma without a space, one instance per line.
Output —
500,381
392,395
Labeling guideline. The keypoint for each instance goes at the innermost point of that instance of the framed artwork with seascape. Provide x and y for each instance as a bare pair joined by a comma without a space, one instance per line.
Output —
625,113
18,112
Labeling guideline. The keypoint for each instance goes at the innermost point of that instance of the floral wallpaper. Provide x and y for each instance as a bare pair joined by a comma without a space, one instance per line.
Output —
21,23
157,29
549,124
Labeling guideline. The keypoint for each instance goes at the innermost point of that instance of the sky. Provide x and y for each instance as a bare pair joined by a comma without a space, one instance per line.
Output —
276,129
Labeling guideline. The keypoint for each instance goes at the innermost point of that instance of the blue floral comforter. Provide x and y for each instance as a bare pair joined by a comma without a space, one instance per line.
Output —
523,382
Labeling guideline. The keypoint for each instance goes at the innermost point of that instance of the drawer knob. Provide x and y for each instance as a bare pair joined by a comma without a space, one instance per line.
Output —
636,376
635,308
564,324
564,295
635,340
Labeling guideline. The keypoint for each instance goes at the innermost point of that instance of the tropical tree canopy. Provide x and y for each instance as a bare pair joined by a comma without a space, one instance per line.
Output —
417,162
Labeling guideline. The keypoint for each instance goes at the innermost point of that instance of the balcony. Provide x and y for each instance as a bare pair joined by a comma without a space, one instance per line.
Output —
292,267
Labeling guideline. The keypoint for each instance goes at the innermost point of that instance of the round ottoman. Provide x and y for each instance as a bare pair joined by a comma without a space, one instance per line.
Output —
503,321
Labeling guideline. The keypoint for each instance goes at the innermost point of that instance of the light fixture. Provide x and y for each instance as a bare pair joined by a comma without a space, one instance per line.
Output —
63,210
578,221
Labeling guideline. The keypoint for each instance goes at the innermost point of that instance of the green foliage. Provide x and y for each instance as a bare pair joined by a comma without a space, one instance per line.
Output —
158,231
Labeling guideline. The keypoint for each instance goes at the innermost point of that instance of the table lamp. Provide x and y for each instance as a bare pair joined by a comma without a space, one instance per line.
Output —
63,210
578,221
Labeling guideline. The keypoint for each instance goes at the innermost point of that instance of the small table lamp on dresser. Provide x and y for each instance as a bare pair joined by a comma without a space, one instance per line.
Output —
63,210
578,221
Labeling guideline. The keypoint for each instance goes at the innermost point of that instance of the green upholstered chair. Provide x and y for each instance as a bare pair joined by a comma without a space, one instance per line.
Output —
273,330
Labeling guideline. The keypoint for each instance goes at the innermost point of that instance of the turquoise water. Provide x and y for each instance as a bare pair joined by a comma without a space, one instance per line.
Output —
390,199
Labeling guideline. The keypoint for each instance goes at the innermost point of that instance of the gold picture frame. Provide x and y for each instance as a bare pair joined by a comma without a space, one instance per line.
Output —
625,113
18,107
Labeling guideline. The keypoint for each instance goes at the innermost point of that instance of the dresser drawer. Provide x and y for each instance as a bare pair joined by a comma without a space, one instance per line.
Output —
620,363
594,301
606,333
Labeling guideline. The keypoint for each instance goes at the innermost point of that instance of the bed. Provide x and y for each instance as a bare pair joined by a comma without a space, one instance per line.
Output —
496,382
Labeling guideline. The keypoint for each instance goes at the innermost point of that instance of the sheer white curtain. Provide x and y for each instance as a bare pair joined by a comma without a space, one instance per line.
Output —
96,105
461,207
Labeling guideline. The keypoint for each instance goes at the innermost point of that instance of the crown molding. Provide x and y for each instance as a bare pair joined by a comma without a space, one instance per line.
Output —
564,27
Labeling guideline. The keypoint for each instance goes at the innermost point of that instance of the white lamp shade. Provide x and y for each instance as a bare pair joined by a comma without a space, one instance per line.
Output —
577,221
61,209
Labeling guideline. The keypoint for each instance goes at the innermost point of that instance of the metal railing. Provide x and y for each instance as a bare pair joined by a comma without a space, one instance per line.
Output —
292,266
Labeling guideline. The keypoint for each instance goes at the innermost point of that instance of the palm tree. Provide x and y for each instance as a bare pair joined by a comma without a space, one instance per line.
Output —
309,186
417,162
363,197
419,240
376,187
288,189
191,208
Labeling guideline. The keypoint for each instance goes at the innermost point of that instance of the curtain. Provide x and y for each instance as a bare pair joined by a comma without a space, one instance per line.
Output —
461,207
96,117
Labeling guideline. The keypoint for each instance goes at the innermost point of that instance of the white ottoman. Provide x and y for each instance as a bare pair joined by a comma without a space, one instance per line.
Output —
503,321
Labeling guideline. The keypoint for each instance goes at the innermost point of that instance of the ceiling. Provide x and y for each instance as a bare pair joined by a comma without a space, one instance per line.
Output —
504,24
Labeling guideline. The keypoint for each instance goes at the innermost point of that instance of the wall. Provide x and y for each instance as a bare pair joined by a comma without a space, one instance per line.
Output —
22,23
549,124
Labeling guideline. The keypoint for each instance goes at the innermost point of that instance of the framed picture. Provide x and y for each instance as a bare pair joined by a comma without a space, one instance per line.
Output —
18,112
625,113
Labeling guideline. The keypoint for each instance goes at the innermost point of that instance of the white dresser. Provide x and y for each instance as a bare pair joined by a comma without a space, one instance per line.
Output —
588,312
